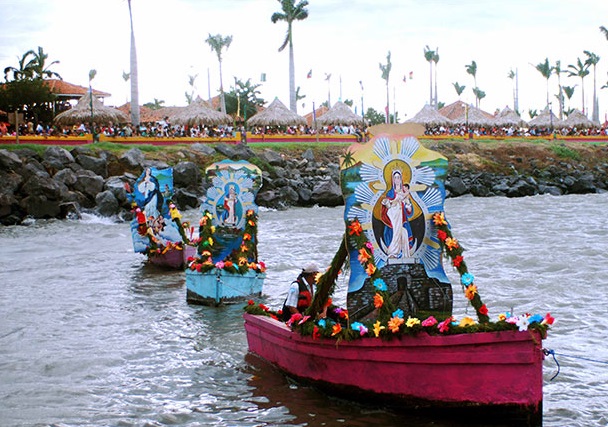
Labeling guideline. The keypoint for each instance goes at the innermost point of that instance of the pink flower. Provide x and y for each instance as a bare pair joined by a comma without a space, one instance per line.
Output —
429,321
219,265
445,325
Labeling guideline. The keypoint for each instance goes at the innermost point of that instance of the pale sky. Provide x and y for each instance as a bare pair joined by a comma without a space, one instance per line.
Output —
345,38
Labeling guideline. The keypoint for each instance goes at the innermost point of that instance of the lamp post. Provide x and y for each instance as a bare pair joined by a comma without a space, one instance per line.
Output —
362,109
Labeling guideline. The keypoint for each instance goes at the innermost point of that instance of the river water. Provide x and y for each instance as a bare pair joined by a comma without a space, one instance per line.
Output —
91,336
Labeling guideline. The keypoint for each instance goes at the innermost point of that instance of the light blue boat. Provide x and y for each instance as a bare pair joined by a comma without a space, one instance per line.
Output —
226,269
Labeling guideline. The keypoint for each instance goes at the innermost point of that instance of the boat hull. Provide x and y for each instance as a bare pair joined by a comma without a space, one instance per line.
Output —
218,287
490,373
173,259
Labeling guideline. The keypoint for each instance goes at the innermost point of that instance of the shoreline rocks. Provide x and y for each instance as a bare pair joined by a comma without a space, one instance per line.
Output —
63,184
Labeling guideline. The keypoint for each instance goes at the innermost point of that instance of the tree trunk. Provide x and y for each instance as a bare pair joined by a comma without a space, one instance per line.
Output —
292,78
134,79
222,99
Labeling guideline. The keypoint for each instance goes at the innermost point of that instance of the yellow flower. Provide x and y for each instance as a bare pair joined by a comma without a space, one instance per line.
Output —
242,261
439,219
502,316
210,240
336,329
412,321
378,328
206,253
251,223
208,215
246,236
371,269
378,300
451,243
212,228
394,324
466,321
470,292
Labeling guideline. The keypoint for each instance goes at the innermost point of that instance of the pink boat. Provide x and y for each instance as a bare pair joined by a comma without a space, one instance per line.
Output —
174,259
489,373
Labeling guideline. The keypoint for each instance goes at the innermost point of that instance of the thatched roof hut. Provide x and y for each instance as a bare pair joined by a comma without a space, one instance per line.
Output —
508,117
81,113
577,119
461,113
277,114
340,114
428,116
545,119
319,111
199,112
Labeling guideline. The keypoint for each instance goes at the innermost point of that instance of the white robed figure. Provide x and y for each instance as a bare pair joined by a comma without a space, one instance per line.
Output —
396,211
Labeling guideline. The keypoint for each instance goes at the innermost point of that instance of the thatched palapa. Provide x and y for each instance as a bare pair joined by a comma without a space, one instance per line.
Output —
340,115
545,119
428,116
508,117
461,113
199,112
578,120
277,114
81,113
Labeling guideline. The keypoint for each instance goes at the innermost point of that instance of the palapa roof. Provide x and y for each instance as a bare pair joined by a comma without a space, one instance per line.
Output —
545,119
317,113
428,116
508,117
577,119
81,113
64,89
199,112
147,115
277,114
461,113
340,114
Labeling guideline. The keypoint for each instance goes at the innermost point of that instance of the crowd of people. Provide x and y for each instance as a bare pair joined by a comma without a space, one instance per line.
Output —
513,131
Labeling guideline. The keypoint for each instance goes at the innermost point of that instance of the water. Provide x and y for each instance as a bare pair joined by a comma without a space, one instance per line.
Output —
90,336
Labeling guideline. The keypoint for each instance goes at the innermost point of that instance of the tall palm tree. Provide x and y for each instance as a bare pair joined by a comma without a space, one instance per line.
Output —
513,76
581,70
436,60
604,31
290,12
327,79
592,60
134,78
32,65
479,95
126,76
459,89
557,69
217,43
386,71
24,69
429,55
569,91
545,69
472,70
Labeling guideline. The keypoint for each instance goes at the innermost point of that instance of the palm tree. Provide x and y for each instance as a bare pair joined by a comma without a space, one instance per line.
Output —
459,89
126,76
472,70
327,79
436,60
604,30
513,76
569,91
32,65
386,71
557,69
545,69
191,82
429,55
217,43
593,59
290,12
479,95
580,70
24,70
134,78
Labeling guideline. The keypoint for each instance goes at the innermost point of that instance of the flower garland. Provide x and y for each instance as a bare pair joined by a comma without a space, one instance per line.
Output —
390,322
237,262
451,247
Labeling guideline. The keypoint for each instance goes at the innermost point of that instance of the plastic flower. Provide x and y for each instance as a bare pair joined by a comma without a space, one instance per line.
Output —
395,323
483,310
242,261
378,328
219,265
206,253
412,321
445,325
380,285
322,323
457,261
442,235
250,302
251,223
355,228
294,318
502,316
243,248
523,323
358,326
371,269
429,321
304,320
212,228
470,292
246,236
363,256
249,212
398,313
378,300
210,240
512,319
451,243
439,219
228,264
262,266
548,319
537,318
466,321
336,329
370,246
264,307
316,334
466,279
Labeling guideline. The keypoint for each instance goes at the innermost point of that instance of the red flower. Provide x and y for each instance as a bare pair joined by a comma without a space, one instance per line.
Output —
483,310
355,228
442,235
457,261
315,333
264,307
250,302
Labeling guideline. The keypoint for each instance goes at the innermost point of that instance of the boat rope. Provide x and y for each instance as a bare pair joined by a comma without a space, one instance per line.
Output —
548,352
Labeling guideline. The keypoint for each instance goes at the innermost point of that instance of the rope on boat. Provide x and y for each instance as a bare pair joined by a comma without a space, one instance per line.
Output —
552,353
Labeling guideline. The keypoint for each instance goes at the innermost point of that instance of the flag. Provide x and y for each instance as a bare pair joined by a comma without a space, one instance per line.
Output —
404,78
309,75
411,75
263,77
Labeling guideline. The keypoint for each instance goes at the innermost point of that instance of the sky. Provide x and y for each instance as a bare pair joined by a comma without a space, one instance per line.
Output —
348,39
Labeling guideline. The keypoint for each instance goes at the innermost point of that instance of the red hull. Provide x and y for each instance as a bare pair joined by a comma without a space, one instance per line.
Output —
498,372
173,259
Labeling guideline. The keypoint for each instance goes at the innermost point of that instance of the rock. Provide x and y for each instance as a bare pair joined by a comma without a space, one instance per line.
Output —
456,186
133,160
42,186
582,185
242,152
39,206
9,161
66,176
226,150
186,174
106,202
116,185
70,210
204,149
327,193
272,157
58,155
290,195
88,183
308,155
95,164
185,199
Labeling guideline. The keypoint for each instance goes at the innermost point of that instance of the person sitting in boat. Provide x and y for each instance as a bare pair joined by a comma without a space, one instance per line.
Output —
300,292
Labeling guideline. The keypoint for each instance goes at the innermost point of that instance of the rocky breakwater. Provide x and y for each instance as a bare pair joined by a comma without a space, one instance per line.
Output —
63,184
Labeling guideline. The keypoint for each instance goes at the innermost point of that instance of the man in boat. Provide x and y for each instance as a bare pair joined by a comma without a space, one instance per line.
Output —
300,292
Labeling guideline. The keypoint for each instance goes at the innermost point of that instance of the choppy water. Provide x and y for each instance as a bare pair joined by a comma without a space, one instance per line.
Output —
90,336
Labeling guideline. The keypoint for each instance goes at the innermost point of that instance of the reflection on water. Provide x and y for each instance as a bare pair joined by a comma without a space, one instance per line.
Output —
91,335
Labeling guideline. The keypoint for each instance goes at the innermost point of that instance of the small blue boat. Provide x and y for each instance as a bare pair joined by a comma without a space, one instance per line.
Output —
226,268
